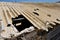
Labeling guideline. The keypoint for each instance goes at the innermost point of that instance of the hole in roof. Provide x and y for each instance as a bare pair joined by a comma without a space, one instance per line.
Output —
25,23
9,25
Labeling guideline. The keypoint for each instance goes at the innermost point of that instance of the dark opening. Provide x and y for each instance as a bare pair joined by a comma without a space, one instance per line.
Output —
8,25
25,23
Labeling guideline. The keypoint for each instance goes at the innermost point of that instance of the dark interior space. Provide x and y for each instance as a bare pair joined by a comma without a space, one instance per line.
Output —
24,23
55,33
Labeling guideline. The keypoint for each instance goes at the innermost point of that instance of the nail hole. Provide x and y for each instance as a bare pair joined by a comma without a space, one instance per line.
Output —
36,9
49,15
36,13
57,19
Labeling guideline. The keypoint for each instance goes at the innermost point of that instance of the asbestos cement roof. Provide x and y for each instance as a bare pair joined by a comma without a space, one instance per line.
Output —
39,14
